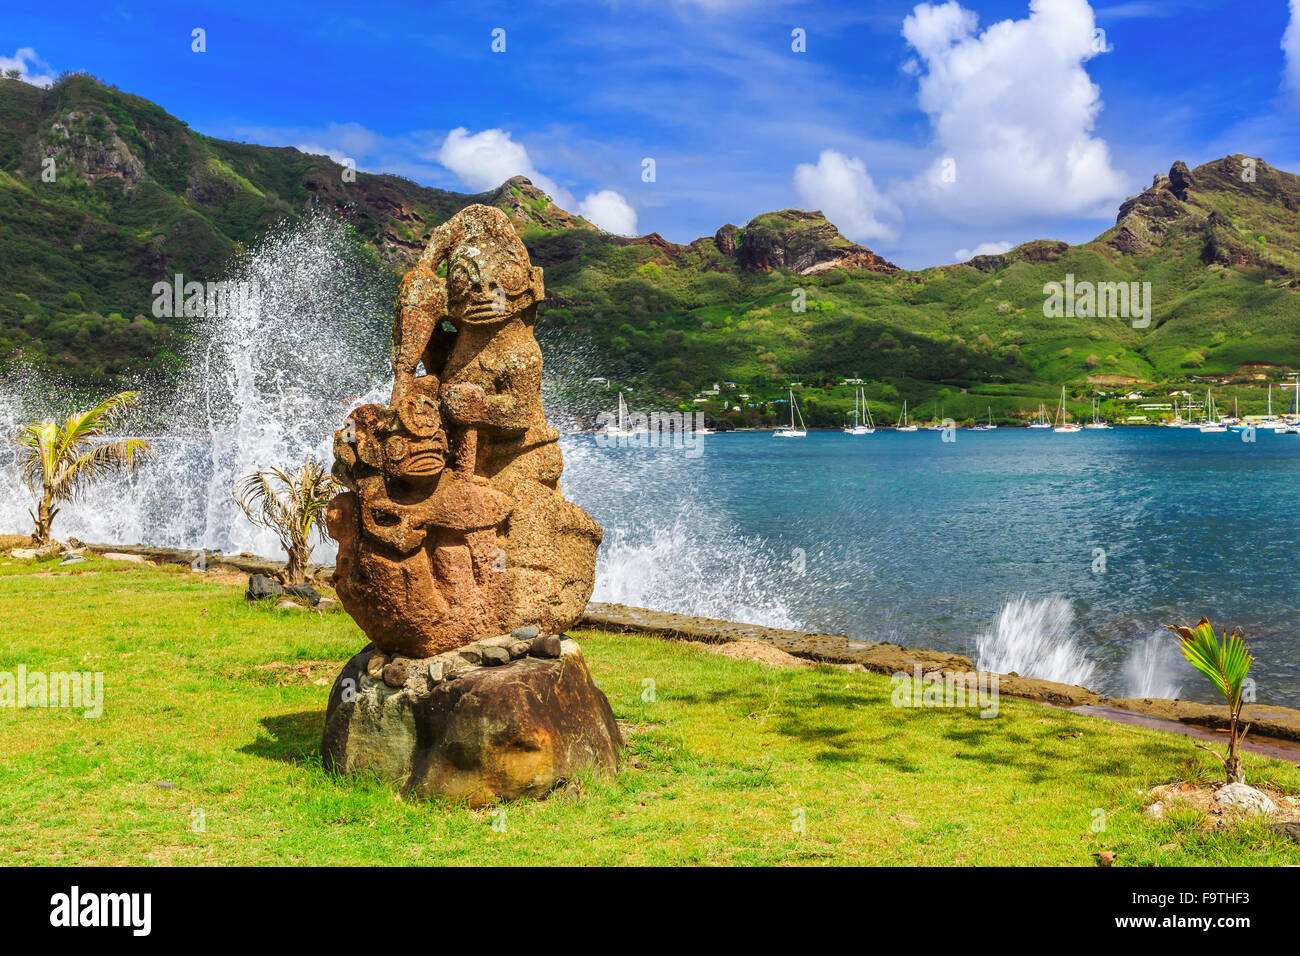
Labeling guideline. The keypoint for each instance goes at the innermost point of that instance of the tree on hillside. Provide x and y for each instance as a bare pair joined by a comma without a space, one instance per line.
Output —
60,462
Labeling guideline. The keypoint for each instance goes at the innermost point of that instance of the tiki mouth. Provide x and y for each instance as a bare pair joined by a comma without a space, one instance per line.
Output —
485,312
422,463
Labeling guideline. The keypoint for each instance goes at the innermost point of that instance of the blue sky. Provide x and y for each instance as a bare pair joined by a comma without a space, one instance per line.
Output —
923,131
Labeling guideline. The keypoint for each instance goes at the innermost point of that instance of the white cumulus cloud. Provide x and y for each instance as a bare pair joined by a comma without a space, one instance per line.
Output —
486,159
610,211
1291,46
842,189
31,68
983,249
1013,112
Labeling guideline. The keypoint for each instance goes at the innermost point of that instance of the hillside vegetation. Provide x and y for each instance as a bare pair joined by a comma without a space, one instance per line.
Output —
138,196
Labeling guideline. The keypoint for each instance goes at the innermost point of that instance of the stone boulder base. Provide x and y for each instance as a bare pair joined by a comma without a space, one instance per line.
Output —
518,726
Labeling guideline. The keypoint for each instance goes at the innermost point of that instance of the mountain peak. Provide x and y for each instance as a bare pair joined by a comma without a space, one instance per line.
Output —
1238,211
799,240
530,208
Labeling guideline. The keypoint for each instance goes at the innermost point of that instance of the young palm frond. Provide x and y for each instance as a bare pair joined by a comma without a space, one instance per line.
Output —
60,462
290,504
1226,664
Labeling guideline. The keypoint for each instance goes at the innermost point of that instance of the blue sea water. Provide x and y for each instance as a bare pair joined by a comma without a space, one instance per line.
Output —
1059,556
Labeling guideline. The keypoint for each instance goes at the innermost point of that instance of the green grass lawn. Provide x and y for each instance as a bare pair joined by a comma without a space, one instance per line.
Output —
204,694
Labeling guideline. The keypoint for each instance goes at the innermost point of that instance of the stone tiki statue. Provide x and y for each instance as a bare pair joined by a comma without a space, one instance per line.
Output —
453,527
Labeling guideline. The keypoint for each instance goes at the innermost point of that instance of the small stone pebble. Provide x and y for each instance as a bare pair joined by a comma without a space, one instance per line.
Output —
548,645
518,649
526,633
471,654
375,666
495,656
437,669
395,672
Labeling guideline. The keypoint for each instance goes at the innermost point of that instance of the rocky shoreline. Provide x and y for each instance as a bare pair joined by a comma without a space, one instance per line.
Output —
1280,723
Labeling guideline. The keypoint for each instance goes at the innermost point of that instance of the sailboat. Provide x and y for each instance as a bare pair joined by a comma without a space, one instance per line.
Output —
1177,421
622,429
1042,418
865,426
1235,424
936,424
986,428
1062,426
1096,416
792,432
1211,424
1277,425
1293,424
902,425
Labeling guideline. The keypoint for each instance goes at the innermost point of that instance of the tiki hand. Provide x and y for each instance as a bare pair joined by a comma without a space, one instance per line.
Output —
465,403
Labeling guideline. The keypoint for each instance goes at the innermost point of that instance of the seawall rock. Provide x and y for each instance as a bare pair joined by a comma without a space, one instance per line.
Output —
483,731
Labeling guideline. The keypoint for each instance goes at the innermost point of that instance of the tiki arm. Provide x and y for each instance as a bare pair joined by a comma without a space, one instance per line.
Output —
421,305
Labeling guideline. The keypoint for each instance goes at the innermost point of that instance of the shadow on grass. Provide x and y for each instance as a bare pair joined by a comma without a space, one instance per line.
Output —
293,738
1040,751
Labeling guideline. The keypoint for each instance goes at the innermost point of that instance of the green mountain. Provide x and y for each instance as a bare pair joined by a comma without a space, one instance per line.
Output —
138,196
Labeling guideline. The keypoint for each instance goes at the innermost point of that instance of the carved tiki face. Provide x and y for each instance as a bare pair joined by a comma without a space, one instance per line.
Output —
489,277
405,441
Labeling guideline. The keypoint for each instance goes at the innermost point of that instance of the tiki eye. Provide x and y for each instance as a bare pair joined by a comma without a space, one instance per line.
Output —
511,277
395,448
463,276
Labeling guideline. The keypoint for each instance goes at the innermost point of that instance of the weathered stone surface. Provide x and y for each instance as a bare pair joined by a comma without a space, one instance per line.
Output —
548,645
832,648
396,671
304,592
1289,830
1265,720
494,733
261,586
128,558
453,527
247,563
526,633
1238,796
495,655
